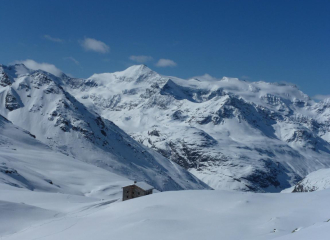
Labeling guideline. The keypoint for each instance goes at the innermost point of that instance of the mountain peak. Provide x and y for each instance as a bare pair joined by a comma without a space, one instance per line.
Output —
138,67
136,70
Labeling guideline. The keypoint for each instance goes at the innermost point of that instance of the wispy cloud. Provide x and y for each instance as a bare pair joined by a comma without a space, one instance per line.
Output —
73,60
206,77
91,44
29,63
53,39
166,63
321,97
244,77
141,58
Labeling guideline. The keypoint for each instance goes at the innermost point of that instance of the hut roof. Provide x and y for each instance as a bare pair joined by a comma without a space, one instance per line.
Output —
145,186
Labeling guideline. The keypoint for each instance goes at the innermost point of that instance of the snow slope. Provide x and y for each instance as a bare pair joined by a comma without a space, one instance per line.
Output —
36,102
232,134
185,215
33,176
28,164
315,181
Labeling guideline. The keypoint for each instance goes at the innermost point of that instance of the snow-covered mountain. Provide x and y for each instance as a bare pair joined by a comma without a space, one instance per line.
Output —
62,178
36,101
28,164
232,134
315,181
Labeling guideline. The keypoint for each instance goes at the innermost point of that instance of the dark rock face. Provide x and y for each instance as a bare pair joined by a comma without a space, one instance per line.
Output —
315,181
40,79
14,174
154,133
189,156
12,101
4,80
9,171
300,188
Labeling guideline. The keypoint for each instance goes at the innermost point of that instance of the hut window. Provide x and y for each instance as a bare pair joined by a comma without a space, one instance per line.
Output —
138,193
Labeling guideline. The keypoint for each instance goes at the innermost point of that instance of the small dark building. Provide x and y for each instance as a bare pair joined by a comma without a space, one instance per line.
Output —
138,189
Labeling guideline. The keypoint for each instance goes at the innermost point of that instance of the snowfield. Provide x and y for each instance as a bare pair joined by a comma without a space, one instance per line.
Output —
194,214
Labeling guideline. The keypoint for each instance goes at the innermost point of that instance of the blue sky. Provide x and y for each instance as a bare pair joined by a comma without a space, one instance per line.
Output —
254,40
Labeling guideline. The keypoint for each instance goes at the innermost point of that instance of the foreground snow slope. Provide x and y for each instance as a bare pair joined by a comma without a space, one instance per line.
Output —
232,134
176,215
36,102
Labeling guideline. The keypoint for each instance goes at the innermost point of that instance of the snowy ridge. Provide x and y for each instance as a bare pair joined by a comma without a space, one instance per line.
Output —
232,134
37,102
315,181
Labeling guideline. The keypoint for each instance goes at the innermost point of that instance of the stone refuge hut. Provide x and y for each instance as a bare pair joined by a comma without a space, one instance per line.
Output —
138,189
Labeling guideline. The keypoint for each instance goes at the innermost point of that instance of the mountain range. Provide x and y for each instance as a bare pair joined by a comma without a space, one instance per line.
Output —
229,133
36,102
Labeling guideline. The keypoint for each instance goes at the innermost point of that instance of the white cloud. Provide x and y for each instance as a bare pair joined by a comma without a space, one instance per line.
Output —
73,60
206,77
140,59
165,63
320,97
91,44
53,39
244,77
29,63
